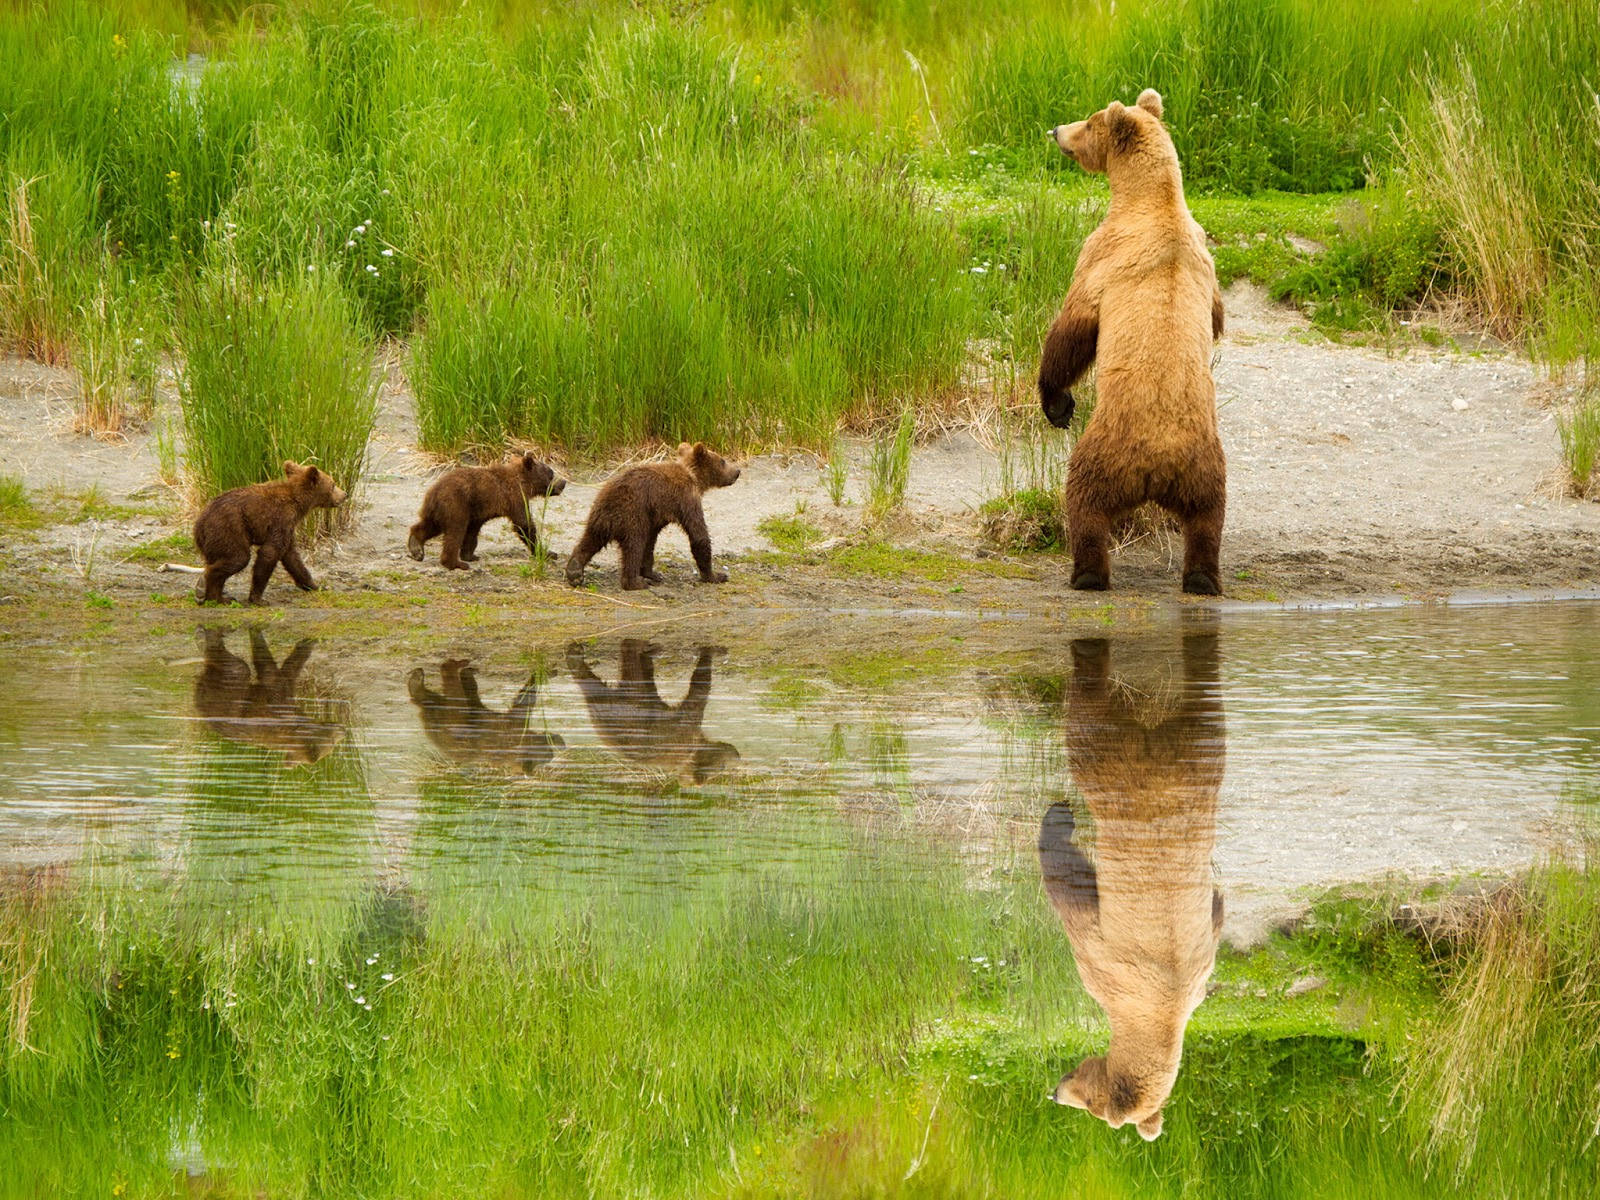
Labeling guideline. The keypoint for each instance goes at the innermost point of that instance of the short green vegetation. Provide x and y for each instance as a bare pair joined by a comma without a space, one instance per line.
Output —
885,561
17,508
792,535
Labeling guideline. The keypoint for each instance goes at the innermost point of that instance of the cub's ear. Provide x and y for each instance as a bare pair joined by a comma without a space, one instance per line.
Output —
528,461
290,467
312,474
701,450
685,450
1121,128
1150,101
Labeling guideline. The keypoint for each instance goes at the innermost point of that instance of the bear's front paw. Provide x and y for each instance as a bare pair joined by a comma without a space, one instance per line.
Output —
309,585
1201,583
717,577
1090,581
1058,406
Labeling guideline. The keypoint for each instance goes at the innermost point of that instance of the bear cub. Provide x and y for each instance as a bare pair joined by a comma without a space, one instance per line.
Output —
462,501
262,515
633,508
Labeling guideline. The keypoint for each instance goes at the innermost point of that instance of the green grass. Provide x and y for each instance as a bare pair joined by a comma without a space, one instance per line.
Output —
889,466
1579,428
272,371
792,535
884,561
17,508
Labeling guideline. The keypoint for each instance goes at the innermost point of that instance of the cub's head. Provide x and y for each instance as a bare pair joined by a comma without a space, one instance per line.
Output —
1114,133
1116,1100
536,478
317,485
709,468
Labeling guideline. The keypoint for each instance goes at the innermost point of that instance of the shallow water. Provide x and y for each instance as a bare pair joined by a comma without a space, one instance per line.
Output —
322,811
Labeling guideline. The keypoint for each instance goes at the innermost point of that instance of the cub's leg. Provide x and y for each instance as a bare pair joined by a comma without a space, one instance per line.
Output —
632,545
219,572
469,541
266,560
647,565
590,544
421,534
295,565
694,524
450,556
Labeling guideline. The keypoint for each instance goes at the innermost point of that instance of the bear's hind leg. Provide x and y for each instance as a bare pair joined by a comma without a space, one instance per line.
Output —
632,546
421,534
590,544
218,573
450,554
647,565
1202,546
469,541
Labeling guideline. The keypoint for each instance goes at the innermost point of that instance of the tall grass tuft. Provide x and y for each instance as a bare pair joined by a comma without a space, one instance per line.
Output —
889,466
1579,428
273,371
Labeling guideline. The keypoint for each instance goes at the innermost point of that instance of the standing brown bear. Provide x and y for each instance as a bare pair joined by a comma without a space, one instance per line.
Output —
637,505
462,501
263,515
1144,302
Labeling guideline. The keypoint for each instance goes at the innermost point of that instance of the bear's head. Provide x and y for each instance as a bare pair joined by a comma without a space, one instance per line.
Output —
536,478
1116,1100
316,487
1117,135
710,469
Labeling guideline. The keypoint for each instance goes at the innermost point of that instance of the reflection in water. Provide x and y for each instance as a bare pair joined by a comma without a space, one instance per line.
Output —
463,729
633,720
261,707
1147,753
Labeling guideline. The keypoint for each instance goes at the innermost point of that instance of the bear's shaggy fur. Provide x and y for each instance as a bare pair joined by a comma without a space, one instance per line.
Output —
1144,917
637,505
465,730
262,707
462,501
1144,303
263,515
635,722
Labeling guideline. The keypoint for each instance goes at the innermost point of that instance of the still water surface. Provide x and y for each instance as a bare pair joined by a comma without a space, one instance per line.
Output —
1109,812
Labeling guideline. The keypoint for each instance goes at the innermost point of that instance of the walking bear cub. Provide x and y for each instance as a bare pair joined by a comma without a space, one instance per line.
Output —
263,515
462,501
637,505
1144,304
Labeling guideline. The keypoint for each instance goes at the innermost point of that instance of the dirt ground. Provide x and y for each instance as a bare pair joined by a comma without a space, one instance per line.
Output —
1356,473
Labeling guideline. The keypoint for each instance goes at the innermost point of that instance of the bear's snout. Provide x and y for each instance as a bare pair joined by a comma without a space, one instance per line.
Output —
557,486
339,496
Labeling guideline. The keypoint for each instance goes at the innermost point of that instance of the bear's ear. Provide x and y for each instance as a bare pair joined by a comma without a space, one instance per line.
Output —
1150,101
528,461
290,468
1121,128
685,451
312,474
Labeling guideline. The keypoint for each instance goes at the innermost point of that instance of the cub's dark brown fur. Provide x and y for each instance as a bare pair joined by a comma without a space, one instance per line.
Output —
462,501
464,729
636,723
637,505
263,515
258,702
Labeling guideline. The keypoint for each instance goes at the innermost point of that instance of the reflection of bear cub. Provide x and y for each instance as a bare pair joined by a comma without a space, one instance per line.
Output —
637,505
633,720
457,722
264,515
1144,303
1143,918
261,710
461,502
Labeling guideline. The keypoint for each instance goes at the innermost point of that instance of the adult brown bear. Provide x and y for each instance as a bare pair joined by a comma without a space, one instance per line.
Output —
1144,306
1146,747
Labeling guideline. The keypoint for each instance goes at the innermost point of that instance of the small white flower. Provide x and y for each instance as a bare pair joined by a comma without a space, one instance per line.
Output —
385,191
980,270
388,976
350,985
388,253
349,243
311,267
361,999
311,962
372,960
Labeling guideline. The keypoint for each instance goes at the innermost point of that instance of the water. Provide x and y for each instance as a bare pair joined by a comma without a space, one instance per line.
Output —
231,862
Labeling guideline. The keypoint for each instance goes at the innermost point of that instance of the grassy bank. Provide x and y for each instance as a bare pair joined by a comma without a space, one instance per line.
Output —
747,223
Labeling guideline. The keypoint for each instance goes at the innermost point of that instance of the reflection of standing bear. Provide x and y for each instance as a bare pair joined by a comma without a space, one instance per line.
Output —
457,722
461,502
633,720
264,515
1144,303
261,710
633,508
1143,918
